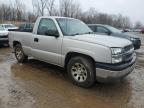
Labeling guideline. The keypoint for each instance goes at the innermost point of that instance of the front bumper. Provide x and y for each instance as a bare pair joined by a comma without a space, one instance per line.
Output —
13,29
110,73
4,41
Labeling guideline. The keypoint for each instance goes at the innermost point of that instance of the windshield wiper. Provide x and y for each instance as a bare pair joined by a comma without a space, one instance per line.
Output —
75,34
89,33
82,33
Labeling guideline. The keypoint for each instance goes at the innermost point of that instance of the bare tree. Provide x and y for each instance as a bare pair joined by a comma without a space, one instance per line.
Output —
64,7
127,23
50,7
35,10
40,6
20,9
4,12
69,8
138,25
75,10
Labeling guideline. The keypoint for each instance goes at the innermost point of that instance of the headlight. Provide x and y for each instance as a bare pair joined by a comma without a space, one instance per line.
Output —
117,55
116,51
117,58
132,39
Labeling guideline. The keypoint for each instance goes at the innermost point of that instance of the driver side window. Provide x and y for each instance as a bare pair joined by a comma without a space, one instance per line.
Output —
46,25
101,30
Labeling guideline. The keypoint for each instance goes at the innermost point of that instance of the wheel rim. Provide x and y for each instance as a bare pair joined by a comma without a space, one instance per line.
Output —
19,53
79,72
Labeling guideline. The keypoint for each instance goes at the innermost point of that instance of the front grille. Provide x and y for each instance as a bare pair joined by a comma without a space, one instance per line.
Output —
138,41
128,53
128,57
128,48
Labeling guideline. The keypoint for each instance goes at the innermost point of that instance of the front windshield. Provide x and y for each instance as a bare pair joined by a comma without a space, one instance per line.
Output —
71,27
1,28
9,25
113,30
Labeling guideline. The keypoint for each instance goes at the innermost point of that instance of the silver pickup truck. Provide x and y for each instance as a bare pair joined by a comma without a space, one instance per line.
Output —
69,43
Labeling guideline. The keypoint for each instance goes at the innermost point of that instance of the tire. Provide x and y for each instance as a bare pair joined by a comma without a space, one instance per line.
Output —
19,54
81,71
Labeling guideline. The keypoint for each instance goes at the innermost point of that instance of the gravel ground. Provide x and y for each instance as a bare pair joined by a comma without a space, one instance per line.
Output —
37,84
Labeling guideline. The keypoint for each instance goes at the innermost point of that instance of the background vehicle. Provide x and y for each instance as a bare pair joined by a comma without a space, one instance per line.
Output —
71,44
111,31
127,30
137,30
3,36
142,31
10,27
27,27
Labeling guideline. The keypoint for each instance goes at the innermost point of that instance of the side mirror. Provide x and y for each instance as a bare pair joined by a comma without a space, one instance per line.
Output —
52,33
108,32
123,31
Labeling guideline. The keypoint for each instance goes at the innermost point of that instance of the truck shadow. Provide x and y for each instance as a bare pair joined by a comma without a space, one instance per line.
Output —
45,77
3,46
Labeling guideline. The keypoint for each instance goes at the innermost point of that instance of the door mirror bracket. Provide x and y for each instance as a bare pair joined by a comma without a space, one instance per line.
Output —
52,33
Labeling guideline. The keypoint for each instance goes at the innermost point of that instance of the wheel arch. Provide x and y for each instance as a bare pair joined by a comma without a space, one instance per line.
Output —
74,54
15,43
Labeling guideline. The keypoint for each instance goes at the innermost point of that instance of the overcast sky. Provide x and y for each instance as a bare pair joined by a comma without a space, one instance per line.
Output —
131,8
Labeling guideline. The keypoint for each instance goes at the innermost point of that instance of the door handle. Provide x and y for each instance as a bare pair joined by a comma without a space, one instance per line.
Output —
36,39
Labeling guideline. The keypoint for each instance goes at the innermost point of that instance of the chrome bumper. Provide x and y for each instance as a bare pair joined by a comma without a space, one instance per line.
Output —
104,75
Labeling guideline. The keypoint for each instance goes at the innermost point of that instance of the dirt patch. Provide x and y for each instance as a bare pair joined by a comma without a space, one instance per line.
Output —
37,84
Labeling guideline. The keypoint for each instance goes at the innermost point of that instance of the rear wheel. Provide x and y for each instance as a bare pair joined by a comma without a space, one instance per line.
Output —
81,71
19,54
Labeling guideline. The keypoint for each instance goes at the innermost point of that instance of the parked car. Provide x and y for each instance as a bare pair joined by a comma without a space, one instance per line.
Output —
127,30
10,27
71,44
111,31
142,31
137,30
27,27
3,36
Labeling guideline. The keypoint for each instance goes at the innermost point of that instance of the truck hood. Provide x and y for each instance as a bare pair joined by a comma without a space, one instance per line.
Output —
126,35
131,35
102,40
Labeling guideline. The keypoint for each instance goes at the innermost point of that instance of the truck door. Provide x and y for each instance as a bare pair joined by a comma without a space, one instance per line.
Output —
47,47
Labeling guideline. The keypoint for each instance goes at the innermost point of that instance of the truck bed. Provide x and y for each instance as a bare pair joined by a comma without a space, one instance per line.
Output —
24,37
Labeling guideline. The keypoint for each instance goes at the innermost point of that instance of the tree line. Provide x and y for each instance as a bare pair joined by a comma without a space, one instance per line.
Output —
16,11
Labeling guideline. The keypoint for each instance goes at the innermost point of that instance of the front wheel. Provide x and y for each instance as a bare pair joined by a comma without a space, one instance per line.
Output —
81,71
19,54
